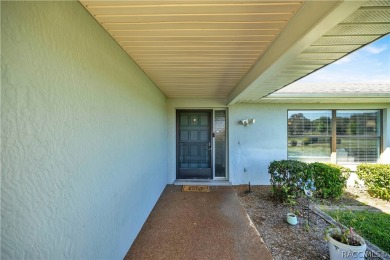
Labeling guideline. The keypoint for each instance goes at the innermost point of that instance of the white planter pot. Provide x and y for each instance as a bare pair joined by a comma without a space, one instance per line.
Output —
340,251
292,219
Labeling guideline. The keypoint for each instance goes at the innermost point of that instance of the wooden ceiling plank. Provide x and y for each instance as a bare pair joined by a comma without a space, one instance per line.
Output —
181,2
214,44
203,38
193,33
189,52
190,43
206,64
270,26
238,17
224,8
191,58
202,68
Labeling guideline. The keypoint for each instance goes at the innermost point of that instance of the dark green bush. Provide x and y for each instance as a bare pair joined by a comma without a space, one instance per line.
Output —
288,178
376,177
346,172
329,179
285,176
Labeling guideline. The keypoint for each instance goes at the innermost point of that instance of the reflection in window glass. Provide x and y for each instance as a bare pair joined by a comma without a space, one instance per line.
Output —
220,143
309,135
358,136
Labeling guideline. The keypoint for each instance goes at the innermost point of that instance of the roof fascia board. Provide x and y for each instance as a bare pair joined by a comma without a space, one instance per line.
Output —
313,20
325,100
329,95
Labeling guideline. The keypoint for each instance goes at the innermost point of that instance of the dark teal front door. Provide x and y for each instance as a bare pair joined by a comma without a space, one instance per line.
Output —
194,144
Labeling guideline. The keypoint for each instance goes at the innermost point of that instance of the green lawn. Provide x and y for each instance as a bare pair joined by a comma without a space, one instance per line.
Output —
374,226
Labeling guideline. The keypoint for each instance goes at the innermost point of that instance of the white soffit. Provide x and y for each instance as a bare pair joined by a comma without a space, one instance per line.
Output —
306,92
363,25
238,50
194,48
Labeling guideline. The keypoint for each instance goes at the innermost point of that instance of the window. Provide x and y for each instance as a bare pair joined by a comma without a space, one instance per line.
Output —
220,143
309,135
357,134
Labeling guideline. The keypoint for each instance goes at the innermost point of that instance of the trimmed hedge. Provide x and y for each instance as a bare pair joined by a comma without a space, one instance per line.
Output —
288,178
346,172
329,179
376,177
285,175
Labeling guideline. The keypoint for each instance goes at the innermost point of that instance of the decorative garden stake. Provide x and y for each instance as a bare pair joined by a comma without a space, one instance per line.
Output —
309,188
308,194
249,188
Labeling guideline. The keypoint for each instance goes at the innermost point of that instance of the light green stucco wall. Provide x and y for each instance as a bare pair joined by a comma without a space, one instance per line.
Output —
256,146
83,134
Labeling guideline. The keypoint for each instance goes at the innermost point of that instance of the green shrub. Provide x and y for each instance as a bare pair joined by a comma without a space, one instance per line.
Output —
329,179
288,178
376,177
346,172
285,176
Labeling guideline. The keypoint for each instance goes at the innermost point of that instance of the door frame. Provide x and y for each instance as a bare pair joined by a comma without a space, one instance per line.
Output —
212,117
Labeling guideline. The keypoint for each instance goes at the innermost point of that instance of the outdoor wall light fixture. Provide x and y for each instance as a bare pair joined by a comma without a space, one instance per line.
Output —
247,122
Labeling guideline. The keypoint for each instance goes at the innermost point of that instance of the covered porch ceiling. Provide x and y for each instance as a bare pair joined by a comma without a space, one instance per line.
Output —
240,51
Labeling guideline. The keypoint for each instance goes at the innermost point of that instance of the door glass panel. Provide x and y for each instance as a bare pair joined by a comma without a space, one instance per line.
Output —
204,120
194,135
184,120
220,143
183,135
194,120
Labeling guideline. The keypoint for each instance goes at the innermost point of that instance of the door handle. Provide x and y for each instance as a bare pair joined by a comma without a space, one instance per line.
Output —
209,146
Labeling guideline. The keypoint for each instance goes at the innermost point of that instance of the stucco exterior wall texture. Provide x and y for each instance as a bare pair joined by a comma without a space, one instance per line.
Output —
254,147
88,141
83,133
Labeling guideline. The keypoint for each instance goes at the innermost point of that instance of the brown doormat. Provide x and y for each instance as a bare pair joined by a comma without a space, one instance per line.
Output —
195,188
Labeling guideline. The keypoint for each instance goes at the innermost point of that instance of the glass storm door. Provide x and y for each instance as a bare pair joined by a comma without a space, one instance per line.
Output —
194,144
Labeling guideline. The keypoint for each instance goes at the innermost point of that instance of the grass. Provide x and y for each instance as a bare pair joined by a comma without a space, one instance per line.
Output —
347,199
374,226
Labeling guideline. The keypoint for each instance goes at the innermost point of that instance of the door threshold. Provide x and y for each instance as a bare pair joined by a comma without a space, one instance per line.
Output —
202,182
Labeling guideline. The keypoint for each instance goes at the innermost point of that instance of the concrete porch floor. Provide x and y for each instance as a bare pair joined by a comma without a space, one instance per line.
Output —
192,225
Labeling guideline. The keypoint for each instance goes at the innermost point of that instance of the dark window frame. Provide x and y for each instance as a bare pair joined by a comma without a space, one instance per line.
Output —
333,134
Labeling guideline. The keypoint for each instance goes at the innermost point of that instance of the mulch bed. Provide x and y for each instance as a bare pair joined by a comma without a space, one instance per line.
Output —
283,240
303,241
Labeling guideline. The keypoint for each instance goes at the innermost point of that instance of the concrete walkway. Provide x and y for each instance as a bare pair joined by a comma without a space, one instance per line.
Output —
191,225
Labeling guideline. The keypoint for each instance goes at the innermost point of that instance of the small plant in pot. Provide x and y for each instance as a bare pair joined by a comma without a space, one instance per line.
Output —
291,217
345,245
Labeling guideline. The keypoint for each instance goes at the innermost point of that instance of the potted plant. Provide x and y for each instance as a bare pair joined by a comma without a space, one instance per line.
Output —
345,245
291,217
